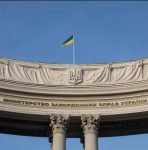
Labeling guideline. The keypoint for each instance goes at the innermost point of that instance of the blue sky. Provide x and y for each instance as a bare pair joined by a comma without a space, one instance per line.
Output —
104,32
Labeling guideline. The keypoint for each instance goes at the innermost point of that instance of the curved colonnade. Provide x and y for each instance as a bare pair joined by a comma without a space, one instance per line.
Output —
63,100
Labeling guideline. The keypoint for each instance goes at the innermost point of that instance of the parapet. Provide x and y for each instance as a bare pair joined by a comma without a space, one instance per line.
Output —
112,77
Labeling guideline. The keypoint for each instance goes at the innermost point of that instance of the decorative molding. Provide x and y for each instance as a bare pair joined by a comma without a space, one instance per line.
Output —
59,123
32,91
75,75
90,123
58,74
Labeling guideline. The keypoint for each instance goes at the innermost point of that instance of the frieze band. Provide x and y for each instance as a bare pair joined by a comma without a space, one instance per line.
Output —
54,74
76,105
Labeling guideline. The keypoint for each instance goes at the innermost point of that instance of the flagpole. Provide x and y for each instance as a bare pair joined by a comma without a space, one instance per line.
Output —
74,58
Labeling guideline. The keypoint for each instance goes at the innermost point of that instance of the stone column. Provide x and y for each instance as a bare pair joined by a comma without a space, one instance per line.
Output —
90,124
59,126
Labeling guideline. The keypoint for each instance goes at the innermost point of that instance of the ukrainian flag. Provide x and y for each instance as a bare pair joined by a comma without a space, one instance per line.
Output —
69,41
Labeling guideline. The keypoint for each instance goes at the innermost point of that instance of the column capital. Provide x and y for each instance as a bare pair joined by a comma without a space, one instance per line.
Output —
58,123
90,123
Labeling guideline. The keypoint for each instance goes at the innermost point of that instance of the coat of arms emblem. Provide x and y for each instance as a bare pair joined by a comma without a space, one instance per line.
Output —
75,75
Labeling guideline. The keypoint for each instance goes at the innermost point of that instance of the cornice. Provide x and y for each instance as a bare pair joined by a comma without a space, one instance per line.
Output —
30,92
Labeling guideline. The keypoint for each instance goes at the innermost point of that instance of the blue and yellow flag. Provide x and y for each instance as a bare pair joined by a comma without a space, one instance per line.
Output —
69,41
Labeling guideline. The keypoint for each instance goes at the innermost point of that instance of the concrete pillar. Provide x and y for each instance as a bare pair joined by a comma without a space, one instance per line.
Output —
90,125
59,126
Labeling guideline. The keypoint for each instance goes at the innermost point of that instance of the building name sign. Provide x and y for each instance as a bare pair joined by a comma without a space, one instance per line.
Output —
76,104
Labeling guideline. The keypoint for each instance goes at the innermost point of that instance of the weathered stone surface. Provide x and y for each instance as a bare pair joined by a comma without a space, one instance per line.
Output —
58,124
31,92
55,74
90,124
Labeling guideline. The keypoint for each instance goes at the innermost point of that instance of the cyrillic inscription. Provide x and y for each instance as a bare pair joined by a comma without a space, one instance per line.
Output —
76,104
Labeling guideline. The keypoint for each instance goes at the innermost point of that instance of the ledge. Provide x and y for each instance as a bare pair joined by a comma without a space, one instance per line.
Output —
30,92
